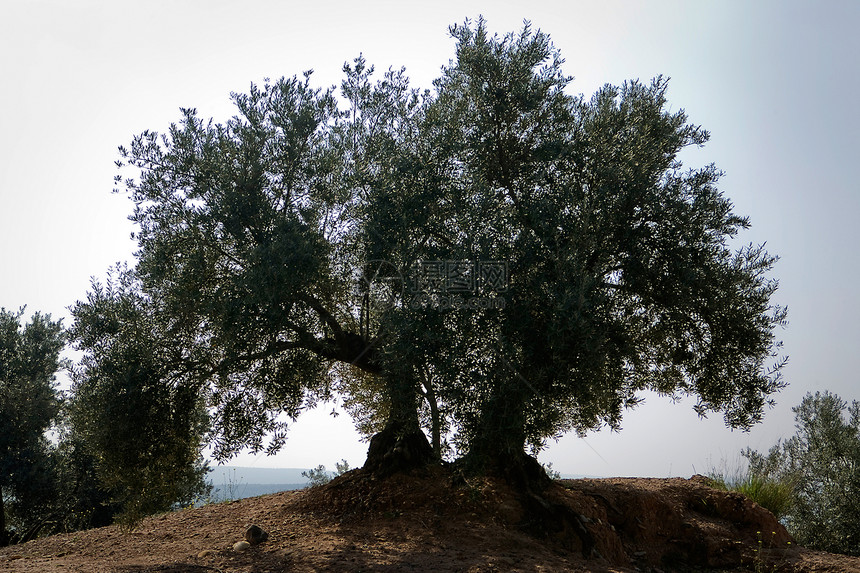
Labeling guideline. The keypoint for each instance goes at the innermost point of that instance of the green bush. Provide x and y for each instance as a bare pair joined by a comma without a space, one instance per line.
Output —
818,471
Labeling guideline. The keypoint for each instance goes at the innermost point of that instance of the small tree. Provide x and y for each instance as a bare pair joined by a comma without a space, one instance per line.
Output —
321,476
822,464
29,361
130,406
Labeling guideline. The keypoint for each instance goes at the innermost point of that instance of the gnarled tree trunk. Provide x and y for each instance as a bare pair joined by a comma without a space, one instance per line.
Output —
498,449
401,445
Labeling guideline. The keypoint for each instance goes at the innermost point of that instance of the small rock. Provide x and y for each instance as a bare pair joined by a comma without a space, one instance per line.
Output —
255,534
241,546
206,553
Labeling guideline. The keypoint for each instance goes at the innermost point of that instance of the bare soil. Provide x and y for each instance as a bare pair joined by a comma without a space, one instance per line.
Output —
434,522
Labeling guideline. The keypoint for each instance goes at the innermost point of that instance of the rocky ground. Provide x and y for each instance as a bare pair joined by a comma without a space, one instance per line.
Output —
435,522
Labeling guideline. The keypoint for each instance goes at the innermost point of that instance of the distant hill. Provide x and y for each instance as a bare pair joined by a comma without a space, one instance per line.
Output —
224,474
241,491
235,482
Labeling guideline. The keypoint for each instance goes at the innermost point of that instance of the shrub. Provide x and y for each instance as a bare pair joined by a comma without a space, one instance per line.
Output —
820,466
771,493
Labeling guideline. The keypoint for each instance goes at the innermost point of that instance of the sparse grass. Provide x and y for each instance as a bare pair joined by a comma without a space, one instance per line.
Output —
774,495
231,492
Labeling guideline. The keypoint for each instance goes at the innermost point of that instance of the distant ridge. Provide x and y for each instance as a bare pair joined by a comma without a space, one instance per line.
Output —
240,474
581,476
237,482
220,474
242,491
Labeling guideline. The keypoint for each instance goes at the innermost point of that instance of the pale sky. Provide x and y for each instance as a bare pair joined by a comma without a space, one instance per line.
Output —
777,84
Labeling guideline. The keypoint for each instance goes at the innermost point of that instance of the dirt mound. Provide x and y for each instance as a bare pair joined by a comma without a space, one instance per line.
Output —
438,521
678,523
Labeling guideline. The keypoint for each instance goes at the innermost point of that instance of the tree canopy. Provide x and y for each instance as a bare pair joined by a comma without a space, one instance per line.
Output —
622,278
512,260
125,440
134,422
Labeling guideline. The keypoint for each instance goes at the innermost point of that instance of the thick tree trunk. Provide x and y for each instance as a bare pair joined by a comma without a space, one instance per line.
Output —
401,446
498,446
499,450
502,454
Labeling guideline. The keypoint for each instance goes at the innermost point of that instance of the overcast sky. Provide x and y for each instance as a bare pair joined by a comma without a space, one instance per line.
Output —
777,84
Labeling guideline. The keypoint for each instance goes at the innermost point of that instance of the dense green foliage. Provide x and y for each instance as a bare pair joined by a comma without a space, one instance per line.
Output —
494,262
131,410
307,248
83,501
821,463
103,458
621,277
254,237
29,403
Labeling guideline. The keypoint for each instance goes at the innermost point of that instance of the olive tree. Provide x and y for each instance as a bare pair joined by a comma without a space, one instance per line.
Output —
306,248
621,273
257,238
